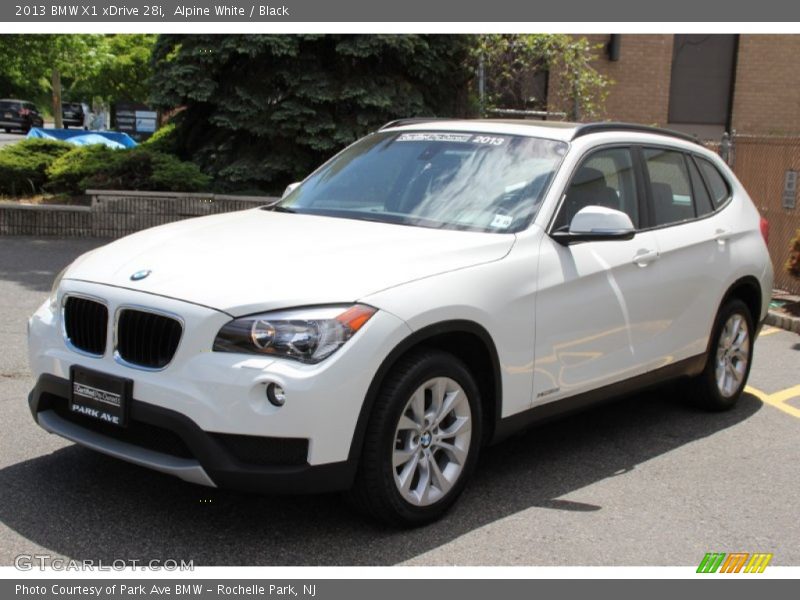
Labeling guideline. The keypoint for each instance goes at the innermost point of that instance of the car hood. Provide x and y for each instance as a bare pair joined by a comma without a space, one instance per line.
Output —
258,260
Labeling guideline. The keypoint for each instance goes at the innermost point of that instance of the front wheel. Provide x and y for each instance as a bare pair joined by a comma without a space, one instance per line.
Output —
422,440
730,355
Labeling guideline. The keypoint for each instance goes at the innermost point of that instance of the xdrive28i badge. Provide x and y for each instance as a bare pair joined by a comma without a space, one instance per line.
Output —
139,275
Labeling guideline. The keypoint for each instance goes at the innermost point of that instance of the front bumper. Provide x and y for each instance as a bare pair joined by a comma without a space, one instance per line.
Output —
208,411
14,123
167,441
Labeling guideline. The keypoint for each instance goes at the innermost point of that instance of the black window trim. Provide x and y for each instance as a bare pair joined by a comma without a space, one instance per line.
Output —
690,161
643,189
639,184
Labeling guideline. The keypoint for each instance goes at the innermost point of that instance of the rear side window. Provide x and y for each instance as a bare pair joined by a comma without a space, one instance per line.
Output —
716,182
670,186
605,178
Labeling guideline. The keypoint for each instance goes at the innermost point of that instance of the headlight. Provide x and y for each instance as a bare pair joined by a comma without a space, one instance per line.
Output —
305,334
53,299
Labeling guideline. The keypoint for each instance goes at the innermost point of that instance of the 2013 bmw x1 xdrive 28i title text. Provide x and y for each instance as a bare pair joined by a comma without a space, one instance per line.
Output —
434,287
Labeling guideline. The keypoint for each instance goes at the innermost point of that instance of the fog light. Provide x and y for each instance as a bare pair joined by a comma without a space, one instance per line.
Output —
276,395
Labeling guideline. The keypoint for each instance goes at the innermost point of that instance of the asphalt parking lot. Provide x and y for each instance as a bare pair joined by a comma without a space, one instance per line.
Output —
10,138
643,481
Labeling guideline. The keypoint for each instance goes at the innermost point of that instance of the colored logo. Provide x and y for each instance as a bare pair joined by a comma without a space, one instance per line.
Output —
139,275
735,562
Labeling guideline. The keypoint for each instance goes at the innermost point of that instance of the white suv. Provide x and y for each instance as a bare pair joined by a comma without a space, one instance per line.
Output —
431,289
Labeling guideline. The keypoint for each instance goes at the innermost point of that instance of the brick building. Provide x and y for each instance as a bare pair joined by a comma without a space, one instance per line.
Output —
703,84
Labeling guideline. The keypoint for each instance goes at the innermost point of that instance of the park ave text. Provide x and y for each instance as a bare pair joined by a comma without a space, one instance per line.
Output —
167,589
148,11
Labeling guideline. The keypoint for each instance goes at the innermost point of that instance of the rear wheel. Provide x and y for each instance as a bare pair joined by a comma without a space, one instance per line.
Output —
722,381
422,440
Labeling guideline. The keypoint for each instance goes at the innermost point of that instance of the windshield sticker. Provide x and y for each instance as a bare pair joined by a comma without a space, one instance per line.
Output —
460,138
435,137
502,221
489,140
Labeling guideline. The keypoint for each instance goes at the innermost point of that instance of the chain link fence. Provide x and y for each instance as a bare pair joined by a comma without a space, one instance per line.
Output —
769,168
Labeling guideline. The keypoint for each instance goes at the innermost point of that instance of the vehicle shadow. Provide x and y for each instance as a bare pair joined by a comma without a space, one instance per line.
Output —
84,505
33,262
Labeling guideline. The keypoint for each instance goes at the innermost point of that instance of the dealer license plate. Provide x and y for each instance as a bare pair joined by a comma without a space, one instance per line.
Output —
100,396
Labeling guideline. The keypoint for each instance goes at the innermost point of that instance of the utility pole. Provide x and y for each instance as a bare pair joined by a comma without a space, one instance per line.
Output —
56,83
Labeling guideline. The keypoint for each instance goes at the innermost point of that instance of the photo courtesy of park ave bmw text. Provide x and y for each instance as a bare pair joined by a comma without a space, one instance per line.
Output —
322,300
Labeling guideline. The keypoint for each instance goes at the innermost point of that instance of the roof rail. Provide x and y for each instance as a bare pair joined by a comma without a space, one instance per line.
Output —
409,121
588,128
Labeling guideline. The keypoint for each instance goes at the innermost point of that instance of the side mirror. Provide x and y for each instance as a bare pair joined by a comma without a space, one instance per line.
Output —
596,223
289,189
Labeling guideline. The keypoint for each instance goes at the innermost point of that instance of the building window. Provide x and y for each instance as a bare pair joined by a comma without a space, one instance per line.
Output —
703,68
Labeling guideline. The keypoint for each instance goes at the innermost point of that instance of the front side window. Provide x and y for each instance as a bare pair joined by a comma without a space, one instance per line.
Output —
605,178
449,180
671,191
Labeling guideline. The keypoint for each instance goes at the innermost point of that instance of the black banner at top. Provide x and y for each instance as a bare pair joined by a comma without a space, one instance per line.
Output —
475,11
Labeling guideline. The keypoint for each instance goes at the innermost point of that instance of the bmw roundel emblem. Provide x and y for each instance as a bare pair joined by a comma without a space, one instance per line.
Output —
139,275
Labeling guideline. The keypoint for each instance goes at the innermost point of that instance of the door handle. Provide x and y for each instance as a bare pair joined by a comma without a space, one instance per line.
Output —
722,236
644,257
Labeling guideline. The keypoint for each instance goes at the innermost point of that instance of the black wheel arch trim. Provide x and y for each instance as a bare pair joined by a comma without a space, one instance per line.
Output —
418,338
748,281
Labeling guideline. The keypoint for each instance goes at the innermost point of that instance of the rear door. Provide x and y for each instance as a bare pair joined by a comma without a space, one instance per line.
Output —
693,245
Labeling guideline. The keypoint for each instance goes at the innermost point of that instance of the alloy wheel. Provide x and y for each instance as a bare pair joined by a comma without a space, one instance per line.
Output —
432,441
733,354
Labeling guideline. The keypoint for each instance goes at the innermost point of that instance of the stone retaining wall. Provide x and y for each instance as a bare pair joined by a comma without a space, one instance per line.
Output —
114,214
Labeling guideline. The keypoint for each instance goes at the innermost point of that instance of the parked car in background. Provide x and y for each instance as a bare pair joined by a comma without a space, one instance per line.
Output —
442,285
20,115
74,114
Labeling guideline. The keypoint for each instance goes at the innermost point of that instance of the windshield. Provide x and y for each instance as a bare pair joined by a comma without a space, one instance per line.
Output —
474,181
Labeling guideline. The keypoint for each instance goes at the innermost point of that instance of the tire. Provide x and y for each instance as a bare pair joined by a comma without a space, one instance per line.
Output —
727,368
443,455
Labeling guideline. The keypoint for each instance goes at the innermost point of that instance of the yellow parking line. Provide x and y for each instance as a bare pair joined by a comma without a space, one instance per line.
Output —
778,399
769,331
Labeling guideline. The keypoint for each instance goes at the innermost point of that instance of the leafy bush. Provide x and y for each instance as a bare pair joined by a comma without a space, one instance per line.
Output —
793,264
97,167
23,165
67,173
164,140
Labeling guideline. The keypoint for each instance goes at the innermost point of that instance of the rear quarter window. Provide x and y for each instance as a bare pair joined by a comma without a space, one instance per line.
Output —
717,185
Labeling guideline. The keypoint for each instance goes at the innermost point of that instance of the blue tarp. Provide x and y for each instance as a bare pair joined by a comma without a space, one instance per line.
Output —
112,139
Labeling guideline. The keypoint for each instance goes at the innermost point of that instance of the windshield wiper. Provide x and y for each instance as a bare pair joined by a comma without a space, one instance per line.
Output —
281,209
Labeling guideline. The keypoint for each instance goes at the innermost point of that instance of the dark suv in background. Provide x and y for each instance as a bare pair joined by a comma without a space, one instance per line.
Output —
73,113
19,114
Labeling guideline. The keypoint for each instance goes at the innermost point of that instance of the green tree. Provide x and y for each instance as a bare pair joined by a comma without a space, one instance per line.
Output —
83,66
261,110
121,70
41,61
512,62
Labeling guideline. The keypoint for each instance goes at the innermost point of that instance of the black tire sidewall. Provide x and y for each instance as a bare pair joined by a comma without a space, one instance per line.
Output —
427,365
